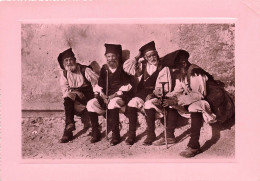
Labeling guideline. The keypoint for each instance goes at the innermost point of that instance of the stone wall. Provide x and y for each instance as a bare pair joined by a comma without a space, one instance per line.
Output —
211,46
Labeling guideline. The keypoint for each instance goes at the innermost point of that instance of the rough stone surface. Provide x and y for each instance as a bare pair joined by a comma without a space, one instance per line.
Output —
211,46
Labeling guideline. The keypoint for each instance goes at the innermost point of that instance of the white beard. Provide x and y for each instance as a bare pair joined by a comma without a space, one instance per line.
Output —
71,68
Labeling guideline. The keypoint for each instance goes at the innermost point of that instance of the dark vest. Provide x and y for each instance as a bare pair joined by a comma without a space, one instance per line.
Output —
115,80
148,81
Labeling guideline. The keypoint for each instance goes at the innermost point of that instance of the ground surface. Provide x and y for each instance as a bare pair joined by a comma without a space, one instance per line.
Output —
40,136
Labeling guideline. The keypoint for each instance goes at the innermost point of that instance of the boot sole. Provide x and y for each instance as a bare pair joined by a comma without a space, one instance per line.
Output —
190,155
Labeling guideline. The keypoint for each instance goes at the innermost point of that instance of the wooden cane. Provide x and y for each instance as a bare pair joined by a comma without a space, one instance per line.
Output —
106,106
164,114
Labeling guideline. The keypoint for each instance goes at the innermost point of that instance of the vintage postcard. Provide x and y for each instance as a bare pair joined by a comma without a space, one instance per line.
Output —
96,90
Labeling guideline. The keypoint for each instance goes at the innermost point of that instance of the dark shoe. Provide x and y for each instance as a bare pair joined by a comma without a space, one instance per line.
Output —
95,137
67,136
130,140
149,140
70,127
115,141
190,152
161,141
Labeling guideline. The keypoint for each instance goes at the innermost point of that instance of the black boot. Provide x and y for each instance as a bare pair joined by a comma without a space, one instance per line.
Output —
85,119
132,115
196,124
113,114
69,114
67,136
69,120
150,120
95,127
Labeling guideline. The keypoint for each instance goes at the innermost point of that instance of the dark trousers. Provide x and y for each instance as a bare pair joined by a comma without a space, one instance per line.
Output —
69,110
94,121
150,120
69,114
171,121
113,116
132,116
196,124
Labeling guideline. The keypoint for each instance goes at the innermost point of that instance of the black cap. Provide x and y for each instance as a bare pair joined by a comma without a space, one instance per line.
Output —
112,48
170,60
147,47
67,53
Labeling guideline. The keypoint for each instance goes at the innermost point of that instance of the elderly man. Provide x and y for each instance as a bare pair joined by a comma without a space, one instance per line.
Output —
198,93
76,83
148,69
116,83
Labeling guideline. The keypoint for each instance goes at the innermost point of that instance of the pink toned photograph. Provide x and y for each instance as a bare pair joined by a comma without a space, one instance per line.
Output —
128,91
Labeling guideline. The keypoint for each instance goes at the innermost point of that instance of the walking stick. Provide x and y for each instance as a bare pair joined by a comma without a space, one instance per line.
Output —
164,114
106,105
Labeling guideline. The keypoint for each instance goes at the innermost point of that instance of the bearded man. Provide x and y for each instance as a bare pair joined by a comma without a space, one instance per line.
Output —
113,90
77,83
195,92
148,69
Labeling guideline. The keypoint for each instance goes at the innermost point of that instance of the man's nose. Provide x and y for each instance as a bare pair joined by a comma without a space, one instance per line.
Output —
153,58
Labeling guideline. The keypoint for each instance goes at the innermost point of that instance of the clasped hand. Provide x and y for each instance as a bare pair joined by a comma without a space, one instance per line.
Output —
169,101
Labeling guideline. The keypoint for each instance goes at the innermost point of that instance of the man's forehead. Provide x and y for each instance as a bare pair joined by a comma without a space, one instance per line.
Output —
111,54
150,52
68,58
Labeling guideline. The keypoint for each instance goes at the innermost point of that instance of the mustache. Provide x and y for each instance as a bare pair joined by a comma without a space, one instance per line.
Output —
70,67
70,64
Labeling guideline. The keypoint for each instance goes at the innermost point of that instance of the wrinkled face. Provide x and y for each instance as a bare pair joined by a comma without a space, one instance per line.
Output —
112,60
152,57
70,64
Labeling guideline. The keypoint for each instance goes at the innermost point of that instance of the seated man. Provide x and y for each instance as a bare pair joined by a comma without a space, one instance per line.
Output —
196,91
118,90
76,84
148,69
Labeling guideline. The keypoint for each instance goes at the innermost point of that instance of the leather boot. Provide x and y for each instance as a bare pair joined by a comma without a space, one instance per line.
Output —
160,142
95,127
190,152
69,114
113,115
67,136
132,115
150,120
196,124
85,119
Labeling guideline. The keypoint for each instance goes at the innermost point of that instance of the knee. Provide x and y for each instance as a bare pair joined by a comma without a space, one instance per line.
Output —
67,101
70,95
149,104
91,105
115,103
136,102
